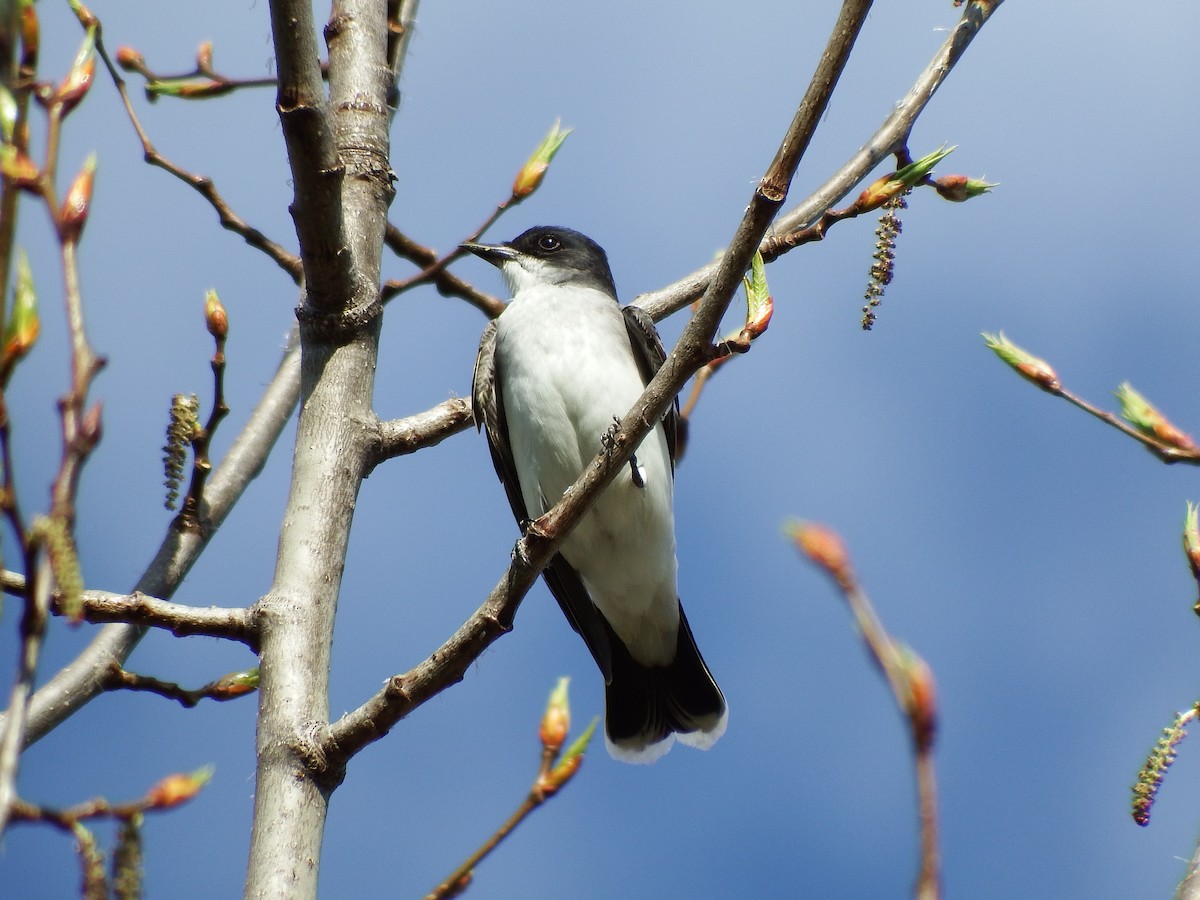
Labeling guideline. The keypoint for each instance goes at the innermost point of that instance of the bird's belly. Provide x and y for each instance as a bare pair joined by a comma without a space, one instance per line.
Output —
560,398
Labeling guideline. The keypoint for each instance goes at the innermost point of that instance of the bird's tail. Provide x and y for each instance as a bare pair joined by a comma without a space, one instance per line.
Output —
647,707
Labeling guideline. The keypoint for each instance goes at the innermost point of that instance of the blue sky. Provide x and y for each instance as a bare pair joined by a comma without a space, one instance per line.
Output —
1028,553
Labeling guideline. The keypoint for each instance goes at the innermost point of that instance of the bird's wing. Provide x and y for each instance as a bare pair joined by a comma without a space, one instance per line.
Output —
487,405
650,355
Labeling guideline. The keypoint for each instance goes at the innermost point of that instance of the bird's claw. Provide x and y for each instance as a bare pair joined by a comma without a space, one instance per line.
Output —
608,440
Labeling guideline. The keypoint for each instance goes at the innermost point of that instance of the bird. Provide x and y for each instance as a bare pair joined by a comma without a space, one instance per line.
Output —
555,371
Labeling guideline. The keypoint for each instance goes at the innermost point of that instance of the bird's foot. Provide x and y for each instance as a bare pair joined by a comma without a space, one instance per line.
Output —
609,439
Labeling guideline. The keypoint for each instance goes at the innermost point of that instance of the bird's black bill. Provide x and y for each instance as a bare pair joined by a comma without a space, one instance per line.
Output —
493,253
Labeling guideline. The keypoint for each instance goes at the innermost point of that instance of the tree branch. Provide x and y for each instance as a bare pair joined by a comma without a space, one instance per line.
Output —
447,284
230,220
338,152
889,136
317,173
401,437
225,688
81,680
543,538
140,609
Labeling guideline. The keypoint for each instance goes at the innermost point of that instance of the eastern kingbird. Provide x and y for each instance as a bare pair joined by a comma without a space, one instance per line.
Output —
554,371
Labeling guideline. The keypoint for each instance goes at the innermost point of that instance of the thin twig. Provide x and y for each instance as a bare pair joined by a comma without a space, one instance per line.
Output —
447,283
218,326
1164,452
201,82
556,769
222,690
230,220
438,266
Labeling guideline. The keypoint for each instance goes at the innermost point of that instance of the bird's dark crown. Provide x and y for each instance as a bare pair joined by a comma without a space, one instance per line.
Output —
567,249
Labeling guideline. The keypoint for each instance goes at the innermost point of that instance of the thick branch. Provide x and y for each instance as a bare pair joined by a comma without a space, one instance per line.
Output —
141,609
317,172
400,437
343,187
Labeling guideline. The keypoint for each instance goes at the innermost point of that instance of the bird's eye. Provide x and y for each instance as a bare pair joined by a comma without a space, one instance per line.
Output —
549,243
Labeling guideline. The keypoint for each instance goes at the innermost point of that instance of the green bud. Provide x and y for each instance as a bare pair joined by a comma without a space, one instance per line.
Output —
1027,365
1146,418
759,305
8,114
23,325
534,170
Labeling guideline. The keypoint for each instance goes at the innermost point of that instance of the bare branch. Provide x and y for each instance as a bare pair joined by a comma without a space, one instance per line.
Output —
140,609
447,284
400,437
228,687
892,134
202,185
178,618
1164,451
81,680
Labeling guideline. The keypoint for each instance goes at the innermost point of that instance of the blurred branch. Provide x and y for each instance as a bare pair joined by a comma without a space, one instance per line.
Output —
402,17
202,82
18,71
908,676
230,220
49,553
167,793
1189,888
1165,451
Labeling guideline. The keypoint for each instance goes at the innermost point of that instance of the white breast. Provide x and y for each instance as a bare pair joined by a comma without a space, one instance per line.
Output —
566,370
